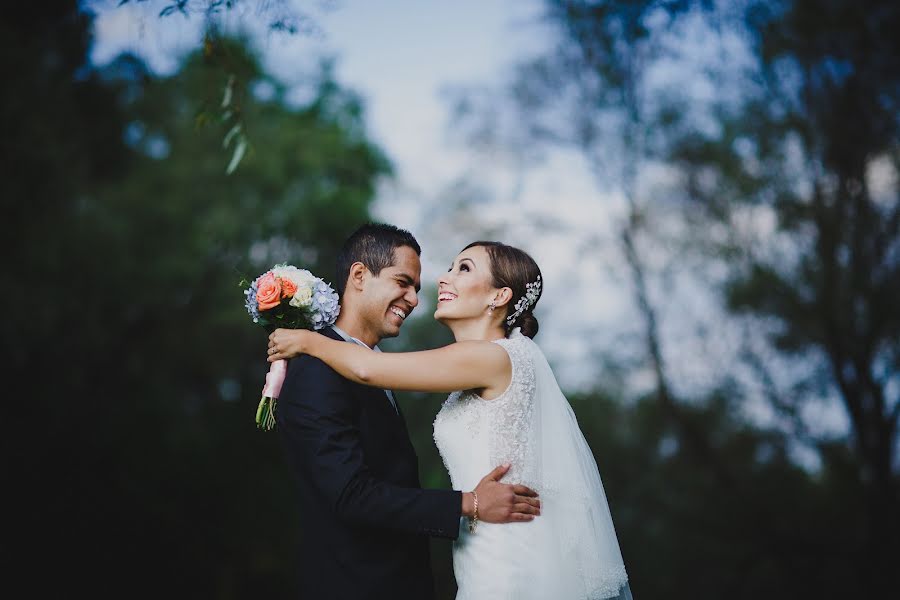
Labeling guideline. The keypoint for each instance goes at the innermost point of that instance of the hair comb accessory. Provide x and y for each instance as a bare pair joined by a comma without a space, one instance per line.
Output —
532,291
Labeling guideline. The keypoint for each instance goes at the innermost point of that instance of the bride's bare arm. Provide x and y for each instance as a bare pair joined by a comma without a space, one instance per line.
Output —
458,366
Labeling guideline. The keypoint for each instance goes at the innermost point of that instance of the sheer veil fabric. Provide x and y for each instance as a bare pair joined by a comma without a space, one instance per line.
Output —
579,538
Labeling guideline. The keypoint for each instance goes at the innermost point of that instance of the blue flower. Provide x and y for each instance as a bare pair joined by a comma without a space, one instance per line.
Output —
250,302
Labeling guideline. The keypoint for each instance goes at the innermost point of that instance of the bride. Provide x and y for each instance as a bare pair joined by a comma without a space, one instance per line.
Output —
505,408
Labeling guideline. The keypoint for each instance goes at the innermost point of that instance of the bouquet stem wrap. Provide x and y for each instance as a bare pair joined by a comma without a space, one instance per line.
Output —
289,298
265,412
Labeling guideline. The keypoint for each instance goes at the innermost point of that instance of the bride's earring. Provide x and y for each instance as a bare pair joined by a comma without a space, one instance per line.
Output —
492,306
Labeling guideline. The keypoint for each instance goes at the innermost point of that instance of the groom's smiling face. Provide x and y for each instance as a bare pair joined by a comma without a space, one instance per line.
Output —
390,297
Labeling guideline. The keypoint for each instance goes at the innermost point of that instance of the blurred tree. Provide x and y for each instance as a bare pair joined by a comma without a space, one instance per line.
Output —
276,15
816,145
270,16
135,366
795,153
592,93
683,535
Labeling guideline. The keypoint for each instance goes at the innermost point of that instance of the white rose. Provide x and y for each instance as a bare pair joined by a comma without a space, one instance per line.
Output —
302,297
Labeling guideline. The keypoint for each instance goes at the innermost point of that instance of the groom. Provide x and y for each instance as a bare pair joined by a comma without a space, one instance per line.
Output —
365,519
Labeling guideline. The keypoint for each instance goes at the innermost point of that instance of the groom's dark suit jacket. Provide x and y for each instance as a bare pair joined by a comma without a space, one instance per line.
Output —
365,521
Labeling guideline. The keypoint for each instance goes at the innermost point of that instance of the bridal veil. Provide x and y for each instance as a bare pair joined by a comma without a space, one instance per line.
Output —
579,539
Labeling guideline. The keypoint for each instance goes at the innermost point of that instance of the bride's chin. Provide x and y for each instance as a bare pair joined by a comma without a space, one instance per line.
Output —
442,315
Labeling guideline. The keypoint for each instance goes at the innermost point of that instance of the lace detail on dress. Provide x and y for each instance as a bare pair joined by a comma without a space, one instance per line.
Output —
512,417
605,583
463,407
509,418
460,404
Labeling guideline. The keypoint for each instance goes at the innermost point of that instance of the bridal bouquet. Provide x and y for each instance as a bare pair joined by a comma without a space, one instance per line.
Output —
289,298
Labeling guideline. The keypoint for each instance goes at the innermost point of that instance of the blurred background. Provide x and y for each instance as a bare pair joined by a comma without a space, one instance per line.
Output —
710,187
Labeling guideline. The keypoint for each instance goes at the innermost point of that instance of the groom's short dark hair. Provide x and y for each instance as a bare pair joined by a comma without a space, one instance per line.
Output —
373,245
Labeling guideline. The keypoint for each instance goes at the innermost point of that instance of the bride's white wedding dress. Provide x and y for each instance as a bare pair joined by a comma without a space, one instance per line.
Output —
569,552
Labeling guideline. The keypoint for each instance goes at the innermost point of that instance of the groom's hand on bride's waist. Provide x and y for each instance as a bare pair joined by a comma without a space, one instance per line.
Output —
500,502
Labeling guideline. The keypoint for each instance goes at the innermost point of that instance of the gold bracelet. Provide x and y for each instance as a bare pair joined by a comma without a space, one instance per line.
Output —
473,520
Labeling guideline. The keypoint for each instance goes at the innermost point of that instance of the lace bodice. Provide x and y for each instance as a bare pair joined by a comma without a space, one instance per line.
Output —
475,435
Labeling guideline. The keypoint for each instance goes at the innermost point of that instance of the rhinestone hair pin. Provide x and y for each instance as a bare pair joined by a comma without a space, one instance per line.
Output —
532,291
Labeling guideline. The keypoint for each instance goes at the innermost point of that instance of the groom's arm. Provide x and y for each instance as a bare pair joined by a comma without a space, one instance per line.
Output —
317,420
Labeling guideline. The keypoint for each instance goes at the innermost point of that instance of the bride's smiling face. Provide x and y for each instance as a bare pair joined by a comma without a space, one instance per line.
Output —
466,290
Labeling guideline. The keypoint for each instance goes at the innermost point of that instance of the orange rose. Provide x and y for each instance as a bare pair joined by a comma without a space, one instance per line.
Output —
288,288
268,292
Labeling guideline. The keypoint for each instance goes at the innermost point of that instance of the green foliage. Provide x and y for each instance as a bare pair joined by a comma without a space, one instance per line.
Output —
687,533
136,453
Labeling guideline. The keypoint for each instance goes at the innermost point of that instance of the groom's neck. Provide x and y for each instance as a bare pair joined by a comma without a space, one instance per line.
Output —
356,327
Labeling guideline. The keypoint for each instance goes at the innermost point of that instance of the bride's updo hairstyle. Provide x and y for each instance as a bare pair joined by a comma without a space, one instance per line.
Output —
515,269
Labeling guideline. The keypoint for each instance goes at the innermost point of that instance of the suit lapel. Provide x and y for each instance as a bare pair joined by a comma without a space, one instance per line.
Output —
386,394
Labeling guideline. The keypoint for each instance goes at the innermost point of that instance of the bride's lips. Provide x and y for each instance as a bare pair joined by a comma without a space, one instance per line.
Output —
446,297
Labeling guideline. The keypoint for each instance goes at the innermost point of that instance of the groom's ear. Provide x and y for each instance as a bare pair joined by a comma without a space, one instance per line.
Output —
357,277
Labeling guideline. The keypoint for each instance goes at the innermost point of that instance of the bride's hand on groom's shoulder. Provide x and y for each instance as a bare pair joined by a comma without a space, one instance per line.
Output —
286,343
503,503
